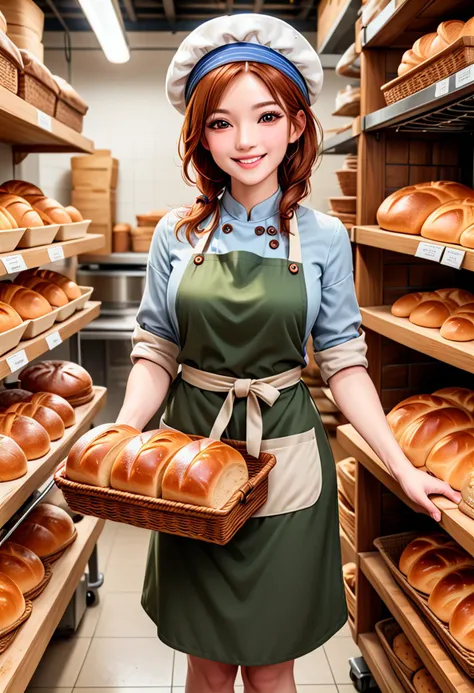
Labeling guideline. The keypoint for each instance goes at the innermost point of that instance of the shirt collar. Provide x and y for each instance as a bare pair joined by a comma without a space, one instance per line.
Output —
264,210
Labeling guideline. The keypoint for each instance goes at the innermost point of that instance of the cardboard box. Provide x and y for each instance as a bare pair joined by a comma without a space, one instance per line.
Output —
98,171
100,207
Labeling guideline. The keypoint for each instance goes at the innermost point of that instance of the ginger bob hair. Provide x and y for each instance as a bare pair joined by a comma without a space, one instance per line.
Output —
295,170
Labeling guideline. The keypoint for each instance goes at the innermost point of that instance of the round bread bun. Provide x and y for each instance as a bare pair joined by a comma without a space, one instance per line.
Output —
9,318
48,418
435,564
12,601
28,304
51,211
30,435
423,682
13,395
451,590
468,29
7,222
69,287
57,404
451,30
22,565
406,653
418,546
62,378
21,210
52,293
45,530
21,187
13,462
74,213
461,623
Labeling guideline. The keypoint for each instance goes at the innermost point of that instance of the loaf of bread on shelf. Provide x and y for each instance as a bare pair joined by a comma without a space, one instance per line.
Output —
12,600
403,414
21,188
419,546
58,404
205,472
423,682
15,394
62,378
409,60
432,313
140,465
91,458
461,623
30,435
349,572
21,565
50,211
452,458
7,222
460,396
450,590
13,462
452,222
435,564
9,318
460,296
48,418
45,530
3,23
468,29
422,47
450,30
51,292
406,653
69,287
21,210
74,213
459,326
404,305
28,304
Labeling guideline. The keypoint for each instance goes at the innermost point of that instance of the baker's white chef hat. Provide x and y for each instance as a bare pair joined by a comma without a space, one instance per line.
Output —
237,38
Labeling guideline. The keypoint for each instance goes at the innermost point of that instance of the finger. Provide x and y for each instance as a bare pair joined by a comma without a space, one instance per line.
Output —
445,489
430,508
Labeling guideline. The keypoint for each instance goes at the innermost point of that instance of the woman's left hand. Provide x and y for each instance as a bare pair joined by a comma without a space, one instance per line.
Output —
418,485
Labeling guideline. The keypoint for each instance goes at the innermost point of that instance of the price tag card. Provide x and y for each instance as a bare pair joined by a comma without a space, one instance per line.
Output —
465,76
56,253
429,251
54,340
18,360
44,121
14,263
453,257
442,87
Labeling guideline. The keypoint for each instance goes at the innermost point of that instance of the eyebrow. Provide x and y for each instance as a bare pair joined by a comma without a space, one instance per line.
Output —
254,107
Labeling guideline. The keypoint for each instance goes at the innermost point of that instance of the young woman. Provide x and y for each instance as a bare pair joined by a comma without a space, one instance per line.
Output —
235,285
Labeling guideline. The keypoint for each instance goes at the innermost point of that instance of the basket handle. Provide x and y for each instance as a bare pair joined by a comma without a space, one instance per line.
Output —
246,490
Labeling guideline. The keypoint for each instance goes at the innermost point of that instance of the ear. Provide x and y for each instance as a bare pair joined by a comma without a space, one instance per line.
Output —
204,142
298,129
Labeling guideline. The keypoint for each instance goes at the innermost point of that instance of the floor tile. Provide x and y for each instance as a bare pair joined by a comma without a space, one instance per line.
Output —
346,688
90,619
339,651
61,663
123,662
313,669
114,689
344,632
49,690
123,617
128,579
127,553
239,689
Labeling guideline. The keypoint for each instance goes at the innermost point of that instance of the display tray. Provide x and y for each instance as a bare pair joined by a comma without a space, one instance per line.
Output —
11,338
213,525
39,235
391,548
69,232
9,239
7,635
40,325
76,304
386,631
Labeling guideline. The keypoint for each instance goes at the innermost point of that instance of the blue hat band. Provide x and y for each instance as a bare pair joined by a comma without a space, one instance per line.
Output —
241,52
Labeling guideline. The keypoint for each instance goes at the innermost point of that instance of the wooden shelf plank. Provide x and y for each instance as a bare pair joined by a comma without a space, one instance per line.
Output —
18,663
424,339
404,243
14,493
35,257
38,345
456,523
344,142
437,660
23,126
379,664
341,34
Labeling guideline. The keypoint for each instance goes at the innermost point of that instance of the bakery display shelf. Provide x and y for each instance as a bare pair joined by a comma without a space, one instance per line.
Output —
379,664
424,339
37,346
114,259
341,34
18,663
45,254
347,549
453,521
406,243
29,130
449,677
14,493
344,142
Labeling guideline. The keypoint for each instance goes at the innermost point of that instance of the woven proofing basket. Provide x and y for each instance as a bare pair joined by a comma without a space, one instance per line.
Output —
216,526
343,205
36,591
8,635
8,74
386,631
346,480
350,600
455,57
69,116
51,558
36,93
347,182
346,517
391,548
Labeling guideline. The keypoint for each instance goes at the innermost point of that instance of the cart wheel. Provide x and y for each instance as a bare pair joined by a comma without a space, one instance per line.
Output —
361,684
92,598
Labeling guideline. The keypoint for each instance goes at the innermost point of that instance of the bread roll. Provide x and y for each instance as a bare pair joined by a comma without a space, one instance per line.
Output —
21,210
459,327
349,572
51,211
468,29
449,221
3,23
419,546
91,458
461,623
13,463
27,303
435,564
22,565
21,187
450,590
460,396
451,30
8,397
205,472
421,435
423,682
140,465
452,458
48,418
406,653
74,213
62,378
69,287
12,601
432,313
52,293
409,60
7,222
28,433
9,318
460,296
57,404
404,414
422,46
45,530
405,304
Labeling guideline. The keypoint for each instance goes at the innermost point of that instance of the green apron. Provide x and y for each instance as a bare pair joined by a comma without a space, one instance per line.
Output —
275,591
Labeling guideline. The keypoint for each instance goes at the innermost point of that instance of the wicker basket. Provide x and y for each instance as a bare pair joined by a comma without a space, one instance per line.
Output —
346,479
391,548
345,218
346,517
36,591
343,205
386,631
350,599
7,635
455,57
347,182
36,93
56,555
69,116
8,74
213,525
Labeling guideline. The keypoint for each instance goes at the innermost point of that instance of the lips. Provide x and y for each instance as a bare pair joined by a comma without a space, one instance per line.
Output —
250,160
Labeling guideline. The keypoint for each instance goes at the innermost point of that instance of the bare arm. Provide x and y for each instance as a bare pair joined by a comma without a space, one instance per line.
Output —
147,386
357,398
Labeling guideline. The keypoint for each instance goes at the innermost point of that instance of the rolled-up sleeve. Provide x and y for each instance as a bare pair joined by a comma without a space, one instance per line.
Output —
338,339
154,337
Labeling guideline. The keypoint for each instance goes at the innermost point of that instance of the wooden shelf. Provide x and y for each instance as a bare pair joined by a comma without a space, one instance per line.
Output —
406,244
424,339
453,521
448,676
14,493
38,345
341,35
18,663
344,142
29,130
379,664
35,257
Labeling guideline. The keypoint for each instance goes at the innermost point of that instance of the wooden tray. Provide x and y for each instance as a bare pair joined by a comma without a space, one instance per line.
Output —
11,338
69,232
36,591
386,631
455,57
10,238
39,235
7,635
391,548
39,325
76,304
207,524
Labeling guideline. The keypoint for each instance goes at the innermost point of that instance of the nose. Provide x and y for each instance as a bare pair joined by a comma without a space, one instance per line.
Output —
245,138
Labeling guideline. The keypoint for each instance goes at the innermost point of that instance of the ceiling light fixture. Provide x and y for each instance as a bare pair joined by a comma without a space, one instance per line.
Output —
104,21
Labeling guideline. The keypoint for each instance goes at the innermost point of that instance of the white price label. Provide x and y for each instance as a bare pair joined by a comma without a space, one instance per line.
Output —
54,340
429,251
44,121
442,87
14,263
465,76
18,360
56,253
453,257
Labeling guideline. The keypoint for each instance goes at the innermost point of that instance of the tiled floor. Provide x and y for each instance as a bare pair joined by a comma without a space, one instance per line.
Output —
116,649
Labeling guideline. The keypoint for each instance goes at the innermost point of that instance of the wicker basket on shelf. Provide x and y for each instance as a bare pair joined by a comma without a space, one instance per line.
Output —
343,205
8,635
11,64
348,576
36,84
347,182
386,631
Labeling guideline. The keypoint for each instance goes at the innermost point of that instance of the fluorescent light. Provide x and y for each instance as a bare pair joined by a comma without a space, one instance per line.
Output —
105,24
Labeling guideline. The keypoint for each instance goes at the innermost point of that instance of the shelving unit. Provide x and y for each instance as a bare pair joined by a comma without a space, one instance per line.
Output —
379,664
341,34
344,142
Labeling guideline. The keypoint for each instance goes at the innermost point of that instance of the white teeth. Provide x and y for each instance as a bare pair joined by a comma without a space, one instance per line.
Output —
249,161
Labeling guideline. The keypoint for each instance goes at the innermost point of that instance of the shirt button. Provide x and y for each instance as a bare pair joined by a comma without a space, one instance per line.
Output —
293,267
274,244
272,231
199,259
227,228
259,230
